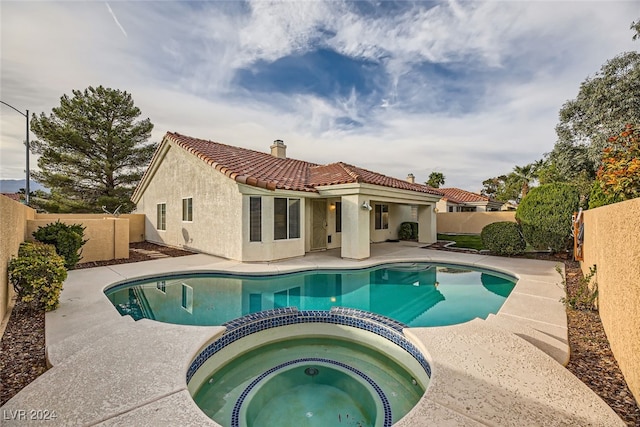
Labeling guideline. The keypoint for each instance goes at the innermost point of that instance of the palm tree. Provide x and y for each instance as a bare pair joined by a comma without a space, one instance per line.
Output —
436,179
524,176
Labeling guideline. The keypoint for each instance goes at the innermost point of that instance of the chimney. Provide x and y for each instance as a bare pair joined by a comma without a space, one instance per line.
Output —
278,149
411,178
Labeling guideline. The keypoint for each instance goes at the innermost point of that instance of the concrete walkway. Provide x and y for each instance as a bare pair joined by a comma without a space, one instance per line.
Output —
506,370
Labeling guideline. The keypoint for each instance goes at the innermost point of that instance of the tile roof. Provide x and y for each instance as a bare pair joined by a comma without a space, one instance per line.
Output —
13,196
266,171
457,195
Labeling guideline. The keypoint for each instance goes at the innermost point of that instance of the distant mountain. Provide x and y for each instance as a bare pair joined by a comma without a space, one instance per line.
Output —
14,185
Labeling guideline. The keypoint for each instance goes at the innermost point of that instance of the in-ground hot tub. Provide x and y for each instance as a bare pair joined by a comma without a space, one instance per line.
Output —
309,368
312,391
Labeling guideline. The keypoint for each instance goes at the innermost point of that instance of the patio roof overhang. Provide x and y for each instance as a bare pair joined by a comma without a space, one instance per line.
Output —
378,192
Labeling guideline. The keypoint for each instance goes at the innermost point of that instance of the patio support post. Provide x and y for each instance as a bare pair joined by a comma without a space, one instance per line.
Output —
356,231
427,224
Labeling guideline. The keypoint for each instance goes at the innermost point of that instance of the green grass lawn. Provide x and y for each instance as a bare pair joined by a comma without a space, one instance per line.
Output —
463,240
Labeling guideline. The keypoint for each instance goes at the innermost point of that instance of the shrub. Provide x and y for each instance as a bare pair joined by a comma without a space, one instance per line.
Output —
37,274
67,239
503,238
585,295
545,215
408,231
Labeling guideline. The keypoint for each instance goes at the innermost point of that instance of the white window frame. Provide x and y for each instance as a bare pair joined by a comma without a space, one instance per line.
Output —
187,298
162,286
259,219
189,209
288,223
161,217
382,225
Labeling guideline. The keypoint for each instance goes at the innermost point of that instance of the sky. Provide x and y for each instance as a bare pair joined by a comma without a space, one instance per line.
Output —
466,88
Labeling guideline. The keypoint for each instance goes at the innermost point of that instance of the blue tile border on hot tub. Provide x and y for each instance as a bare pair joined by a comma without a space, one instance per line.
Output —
235,415
263,320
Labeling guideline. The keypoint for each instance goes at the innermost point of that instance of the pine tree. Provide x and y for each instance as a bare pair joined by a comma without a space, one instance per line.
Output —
92,150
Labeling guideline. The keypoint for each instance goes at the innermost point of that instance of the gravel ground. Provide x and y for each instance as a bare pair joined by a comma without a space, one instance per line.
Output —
22,347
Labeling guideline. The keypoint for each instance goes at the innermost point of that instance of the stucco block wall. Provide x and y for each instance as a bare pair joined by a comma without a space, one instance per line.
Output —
136,222
13,220
216,228
107,238
470,222
611,242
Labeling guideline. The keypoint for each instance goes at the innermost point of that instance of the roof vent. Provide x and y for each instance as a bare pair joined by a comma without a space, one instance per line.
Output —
411,178
278,149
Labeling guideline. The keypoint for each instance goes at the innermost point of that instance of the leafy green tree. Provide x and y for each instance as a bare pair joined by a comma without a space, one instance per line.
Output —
635,26
500,188
618,178
92,150
605,103
436,179
545,215
513,186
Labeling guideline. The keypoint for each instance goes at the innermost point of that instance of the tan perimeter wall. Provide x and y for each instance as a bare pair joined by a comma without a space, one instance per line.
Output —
612,243
13,222
107,238
470,222
136,222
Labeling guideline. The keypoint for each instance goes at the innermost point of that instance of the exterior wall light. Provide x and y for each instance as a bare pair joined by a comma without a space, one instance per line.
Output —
366,206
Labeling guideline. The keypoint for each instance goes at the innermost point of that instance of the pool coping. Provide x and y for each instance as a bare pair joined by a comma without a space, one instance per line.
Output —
109,370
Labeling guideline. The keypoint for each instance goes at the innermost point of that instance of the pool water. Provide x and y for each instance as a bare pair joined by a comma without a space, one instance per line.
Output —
416,294
311,394
328,398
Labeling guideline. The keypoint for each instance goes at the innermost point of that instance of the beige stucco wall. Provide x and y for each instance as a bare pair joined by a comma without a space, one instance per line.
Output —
136,222
611,243
13,220
470,222
269,249
107,238
220,223
216,228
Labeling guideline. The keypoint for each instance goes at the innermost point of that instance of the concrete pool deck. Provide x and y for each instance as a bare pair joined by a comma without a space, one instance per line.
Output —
506,370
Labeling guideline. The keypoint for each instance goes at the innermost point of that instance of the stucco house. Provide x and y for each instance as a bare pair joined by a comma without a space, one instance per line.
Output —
247,205
458,200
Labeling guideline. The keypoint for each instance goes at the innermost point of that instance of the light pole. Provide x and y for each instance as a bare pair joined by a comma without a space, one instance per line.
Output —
26,116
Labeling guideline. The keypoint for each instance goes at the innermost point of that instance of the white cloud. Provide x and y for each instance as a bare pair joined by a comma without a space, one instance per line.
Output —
277,29
179,60
115,19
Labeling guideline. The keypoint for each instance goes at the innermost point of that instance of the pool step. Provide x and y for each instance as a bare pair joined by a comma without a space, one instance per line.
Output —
528,331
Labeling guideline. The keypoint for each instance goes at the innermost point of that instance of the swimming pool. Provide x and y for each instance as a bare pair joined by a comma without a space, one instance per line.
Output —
415,294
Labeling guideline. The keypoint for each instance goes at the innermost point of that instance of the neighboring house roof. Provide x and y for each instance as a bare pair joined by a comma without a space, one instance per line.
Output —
456,195
13,196
267,171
